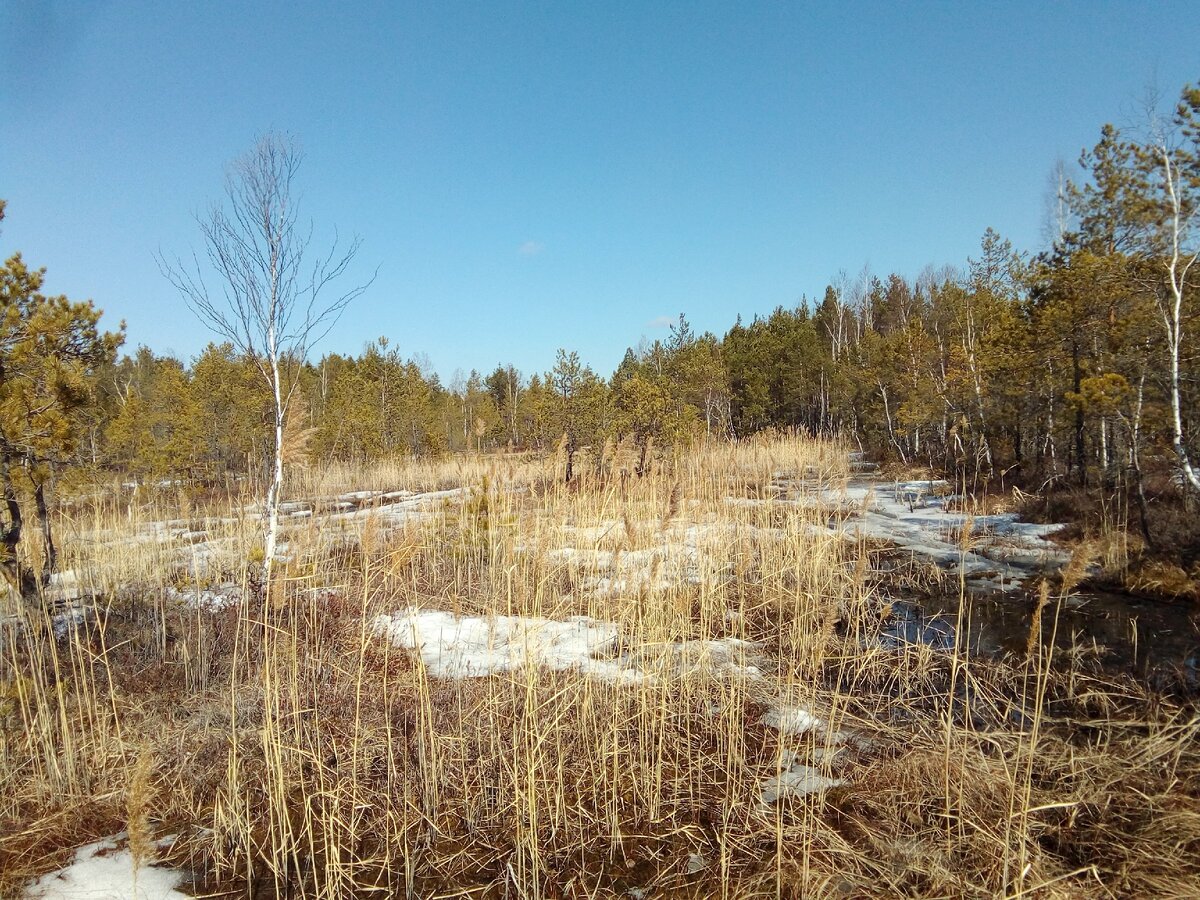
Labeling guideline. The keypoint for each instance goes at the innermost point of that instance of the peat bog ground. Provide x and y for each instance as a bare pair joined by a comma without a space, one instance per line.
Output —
755,671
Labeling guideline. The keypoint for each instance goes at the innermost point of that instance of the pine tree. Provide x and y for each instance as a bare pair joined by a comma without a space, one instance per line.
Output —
50,351
579,405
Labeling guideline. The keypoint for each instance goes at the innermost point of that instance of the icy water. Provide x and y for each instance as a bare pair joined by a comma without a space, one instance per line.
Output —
1151,640
1158,641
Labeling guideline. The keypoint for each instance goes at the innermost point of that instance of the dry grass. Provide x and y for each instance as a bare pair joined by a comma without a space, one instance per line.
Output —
298,755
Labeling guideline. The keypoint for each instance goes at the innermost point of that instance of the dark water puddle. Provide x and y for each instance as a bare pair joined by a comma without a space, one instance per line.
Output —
1155,641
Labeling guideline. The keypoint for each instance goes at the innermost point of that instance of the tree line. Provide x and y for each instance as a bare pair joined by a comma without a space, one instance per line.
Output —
1077,363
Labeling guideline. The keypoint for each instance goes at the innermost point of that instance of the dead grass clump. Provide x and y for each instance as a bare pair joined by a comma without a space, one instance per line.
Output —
1165,579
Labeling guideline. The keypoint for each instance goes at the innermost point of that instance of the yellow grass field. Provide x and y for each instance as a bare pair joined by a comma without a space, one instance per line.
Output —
496,685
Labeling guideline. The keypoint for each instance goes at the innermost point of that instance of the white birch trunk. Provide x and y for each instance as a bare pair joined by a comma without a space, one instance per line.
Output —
276,487
1177,271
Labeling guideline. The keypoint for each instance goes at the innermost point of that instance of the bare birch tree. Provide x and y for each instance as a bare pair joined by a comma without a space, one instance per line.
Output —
274,300
1174,167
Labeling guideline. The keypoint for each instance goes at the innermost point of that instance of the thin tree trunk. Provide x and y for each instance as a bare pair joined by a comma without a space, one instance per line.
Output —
49,550
1174,329
1104,447
276,487
21,579
887,412
1135,464
1177,270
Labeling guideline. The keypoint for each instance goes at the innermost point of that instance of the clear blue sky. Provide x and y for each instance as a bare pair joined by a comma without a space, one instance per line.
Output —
529,176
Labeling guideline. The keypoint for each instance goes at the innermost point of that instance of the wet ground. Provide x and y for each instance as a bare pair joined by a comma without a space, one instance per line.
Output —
1152,640
1158,641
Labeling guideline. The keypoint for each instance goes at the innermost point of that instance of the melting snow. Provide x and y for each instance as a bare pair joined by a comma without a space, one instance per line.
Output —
471,646
797,781
400,507
210,599
912,515
790,719
101,871
679,557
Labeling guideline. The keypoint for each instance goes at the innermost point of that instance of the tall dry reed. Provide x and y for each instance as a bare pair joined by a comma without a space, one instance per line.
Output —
298,754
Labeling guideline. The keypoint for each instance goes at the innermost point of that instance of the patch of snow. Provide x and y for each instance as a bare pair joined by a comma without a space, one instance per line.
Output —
67,621
402,507
593,534
351,496
797,781
63,621
722,656
101,871
207,599
680,556
832,755
460,647
912,515
790,720
472,646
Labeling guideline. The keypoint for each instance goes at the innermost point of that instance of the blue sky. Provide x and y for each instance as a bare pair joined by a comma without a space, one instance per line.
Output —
536,175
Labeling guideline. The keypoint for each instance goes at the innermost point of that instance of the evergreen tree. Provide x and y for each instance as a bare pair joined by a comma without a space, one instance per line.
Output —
579,409
50,352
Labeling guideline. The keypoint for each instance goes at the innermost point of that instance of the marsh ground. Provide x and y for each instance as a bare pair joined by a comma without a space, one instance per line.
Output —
472,680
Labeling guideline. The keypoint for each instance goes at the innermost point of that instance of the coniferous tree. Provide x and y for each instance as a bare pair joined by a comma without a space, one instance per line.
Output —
579,408
51,350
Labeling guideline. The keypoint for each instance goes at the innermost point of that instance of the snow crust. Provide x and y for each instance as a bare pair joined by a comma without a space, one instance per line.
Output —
396,507
1000,552
679,556
212,599
459,647
102,871
1000,549
473,647
790,719
798,780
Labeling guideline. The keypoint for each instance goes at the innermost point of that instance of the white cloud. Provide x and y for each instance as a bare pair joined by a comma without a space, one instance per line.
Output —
661,322
531,248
